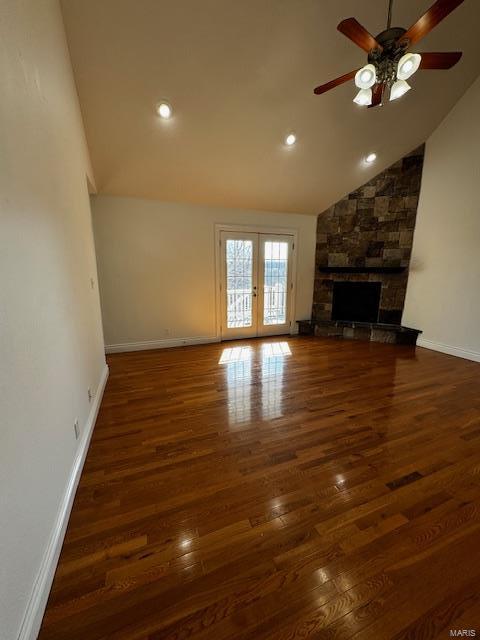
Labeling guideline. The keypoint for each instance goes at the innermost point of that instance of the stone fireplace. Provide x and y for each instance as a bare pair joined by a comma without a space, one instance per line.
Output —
364,243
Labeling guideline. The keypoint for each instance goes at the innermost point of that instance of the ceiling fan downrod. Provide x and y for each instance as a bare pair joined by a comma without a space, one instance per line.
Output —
389,18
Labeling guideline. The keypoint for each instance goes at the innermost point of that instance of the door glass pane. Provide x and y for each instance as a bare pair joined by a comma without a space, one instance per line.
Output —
275,283
239,283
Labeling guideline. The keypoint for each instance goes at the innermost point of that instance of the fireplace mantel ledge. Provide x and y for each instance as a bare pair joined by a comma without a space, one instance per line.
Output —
326,269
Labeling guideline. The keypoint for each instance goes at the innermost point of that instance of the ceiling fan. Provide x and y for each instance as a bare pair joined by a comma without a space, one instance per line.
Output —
389,65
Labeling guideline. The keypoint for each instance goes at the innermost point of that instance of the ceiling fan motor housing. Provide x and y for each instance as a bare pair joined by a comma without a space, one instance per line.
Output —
388,39
386,58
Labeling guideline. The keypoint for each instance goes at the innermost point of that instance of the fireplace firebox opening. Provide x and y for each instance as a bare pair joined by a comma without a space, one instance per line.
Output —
356,301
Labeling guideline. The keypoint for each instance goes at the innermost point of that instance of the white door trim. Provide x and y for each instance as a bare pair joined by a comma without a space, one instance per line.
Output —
219,227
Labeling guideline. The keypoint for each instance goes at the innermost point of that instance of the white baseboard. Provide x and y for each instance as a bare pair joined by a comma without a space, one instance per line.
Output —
41,588
468,354
159,344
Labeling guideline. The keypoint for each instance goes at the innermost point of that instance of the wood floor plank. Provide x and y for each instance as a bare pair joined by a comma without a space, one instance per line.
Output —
276,488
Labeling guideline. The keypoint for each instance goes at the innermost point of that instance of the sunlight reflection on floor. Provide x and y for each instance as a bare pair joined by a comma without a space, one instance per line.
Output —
241,377
276,349
235,354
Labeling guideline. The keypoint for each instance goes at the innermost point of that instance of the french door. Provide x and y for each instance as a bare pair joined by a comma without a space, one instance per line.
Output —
256,284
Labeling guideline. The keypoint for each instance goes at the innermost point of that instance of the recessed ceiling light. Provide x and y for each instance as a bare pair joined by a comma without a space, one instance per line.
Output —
164,110
371,158
290,139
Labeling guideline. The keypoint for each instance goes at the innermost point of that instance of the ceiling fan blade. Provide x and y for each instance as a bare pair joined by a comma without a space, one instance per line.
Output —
377,94
334,83
358,34
443,60
437,12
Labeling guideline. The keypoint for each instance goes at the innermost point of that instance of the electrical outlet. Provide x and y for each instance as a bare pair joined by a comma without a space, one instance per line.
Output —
76,428
90,395
92,283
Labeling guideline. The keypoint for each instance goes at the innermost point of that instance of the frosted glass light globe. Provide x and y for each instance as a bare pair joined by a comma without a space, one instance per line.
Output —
399,88
366,77
364,97
407,65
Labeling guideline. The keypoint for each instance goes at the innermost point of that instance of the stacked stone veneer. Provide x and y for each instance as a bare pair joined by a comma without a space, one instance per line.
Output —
371,227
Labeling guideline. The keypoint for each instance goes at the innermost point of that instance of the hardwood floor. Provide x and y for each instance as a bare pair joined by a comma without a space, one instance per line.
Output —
281,488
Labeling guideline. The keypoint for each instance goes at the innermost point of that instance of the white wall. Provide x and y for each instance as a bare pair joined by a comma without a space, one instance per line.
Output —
157,268
443,295
51,345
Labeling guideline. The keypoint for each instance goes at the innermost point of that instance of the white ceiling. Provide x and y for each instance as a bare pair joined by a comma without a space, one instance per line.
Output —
240,76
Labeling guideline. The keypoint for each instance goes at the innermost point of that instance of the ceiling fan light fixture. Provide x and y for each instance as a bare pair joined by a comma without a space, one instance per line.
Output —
366,77
399,88
389,66
363,97
408,65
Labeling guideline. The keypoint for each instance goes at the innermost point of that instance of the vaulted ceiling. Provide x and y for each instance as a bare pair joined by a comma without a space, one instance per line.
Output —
240,76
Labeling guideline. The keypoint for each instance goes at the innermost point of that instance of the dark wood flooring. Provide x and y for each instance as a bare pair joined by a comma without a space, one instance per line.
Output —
277,489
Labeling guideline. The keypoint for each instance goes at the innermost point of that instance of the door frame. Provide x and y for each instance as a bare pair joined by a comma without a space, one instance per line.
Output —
290,231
